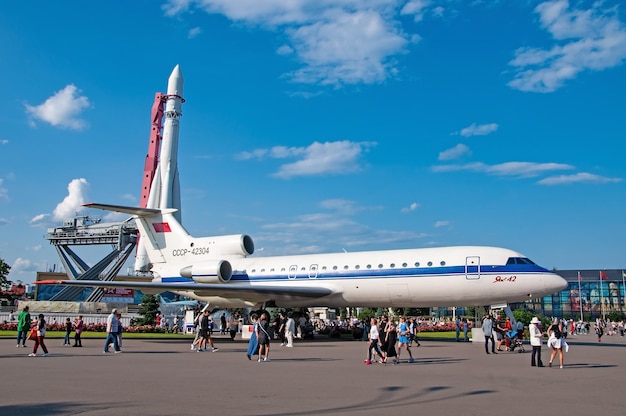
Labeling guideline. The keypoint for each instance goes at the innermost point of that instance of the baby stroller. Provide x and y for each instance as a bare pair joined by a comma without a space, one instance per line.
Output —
514,340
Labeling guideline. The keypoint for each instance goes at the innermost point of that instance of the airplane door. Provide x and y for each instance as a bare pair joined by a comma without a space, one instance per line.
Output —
313,271
293,271
472,267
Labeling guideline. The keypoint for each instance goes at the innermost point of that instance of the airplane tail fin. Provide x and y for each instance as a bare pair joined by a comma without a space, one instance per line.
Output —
161,233
172,250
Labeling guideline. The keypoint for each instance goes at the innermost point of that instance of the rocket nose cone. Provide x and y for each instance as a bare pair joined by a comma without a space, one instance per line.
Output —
175,82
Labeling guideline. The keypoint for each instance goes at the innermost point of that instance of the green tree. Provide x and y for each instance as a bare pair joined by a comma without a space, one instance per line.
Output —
4,272
149,307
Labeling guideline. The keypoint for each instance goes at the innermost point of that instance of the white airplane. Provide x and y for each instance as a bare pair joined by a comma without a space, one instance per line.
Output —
219,270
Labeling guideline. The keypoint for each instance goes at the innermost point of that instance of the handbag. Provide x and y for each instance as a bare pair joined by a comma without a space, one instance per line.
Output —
33,334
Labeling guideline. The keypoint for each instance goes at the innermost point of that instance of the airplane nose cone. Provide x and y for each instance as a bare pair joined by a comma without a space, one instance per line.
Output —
555,283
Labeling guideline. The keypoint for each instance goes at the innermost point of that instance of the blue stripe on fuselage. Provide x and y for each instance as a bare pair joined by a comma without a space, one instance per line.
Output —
377,273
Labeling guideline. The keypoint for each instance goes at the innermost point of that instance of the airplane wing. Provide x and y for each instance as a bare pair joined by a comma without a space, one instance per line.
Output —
207,289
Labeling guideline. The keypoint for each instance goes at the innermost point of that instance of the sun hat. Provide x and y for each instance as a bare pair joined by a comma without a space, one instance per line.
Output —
535,320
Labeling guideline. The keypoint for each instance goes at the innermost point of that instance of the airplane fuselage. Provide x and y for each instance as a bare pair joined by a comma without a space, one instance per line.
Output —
447,276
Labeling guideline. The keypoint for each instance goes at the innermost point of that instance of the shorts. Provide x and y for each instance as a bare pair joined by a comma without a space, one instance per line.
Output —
499,336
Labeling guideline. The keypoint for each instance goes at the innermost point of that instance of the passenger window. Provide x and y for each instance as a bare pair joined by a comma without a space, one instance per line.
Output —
430,263
357,267
417,264
392,265
404,265
380,266
443,263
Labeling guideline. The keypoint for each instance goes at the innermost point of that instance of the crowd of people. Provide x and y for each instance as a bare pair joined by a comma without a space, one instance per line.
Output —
387,338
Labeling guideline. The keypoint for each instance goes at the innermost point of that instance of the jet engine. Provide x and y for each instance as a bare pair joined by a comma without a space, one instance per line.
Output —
232,245
209,272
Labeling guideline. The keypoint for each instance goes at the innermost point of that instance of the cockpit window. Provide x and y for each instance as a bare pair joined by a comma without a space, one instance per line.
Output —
519,260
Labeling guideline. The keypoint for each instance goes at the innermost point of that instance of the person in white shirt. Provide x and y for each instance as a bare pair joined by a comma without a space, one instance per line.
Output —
535,341
290,329
374,337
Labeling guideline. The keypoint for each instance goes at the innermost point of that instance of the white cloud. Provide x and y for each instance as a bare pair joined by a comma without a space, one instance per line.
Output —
3,221
255,154
72,203
4,141
439,224
478,129
410,208
455,152
415,8
316,159
325,159
284,50
22,265
585,40
337,43
38,218
519,169
581,177
194,32
62,109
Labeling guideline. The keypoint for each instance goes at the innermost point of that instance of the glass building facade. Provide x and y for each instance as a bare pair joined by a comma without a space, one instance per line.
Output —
596,294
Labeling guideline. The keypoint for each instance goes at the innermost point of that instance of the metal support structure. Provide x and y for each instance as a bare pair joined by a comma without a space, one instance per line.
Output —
85,231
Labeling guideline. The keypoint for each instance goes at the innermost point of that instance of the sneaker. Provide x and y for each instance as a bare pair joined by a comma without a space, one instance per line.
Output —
46,354
32,355
267,360
118,352
560,366
249,356
368,362
17,346
411,360
23,345
260,360
215,349
105,352
550,364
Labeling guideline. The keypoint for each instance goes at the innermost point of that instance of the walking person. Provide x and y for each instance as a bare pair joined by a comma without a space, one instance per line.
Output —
264,337
253,344
68,331
205,333
535,341
290,330
120,329
374,338
555,341
78,330
403,339
488,333
41,334
112,324
466,327
391,338
599,332
457,329
23,326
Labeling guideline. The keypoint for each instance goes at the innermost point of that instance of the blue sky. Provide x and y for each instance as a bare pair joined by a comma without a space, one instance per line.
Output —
318,126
